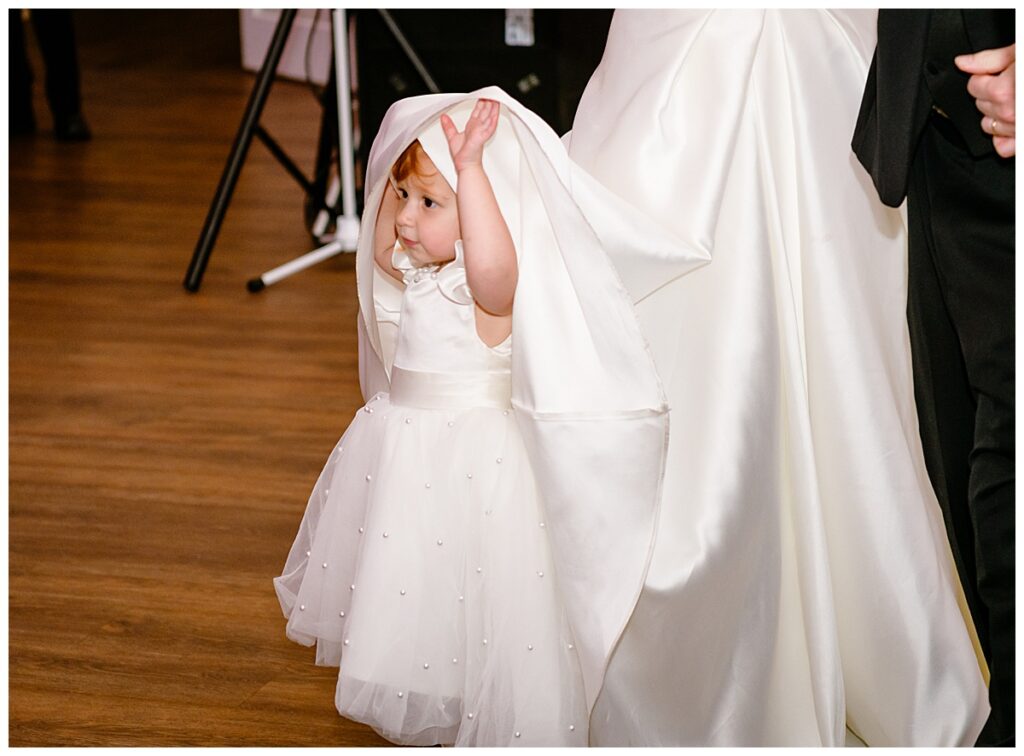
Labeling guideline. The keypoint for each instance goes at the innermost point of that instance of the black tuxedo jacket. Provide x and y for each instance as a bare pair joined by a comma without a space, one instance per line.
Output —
912,70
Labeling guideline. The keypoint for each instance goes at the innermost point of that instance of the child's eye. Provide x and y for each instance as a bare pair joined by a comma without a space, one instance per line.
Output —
402,193
428,202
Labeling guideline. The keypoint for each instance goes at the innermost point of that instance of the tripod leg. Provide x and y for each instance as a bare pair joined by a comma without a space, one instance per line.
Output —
328,136
346,157
319,208
338,105
292,267
250,120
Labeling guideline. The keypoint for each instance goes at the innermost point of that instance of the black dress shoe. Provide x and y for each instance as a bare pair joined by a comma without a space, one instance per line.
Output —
72,129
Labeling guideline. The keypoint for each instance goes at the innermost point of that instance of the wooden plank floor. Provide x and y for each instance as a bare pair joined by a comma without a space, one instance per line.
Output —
162,444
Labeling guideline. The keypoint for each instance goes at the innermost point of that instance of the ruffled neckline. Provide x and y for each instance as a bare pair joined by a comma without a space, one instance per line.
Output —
449,276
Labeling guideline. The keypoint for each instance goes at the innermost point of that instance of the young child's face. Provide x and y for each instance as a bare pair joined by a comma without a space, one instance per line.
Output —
427,221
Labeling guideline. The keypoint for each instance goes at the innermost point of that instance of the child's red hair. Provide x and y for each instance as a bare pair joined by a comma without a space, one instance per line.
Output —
412,161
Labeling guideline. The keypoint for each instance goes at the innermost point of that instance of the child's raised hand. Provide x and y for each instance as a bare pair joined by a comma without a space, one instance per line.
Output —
467,147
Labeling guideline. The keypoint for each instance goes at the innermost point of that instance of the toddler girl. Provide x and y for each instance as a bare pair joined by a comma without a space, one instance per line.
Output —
479,535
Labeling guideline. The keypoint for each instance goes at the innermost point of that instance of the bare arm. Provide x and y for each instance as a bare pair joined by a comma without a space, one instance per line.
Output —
384,237
491,267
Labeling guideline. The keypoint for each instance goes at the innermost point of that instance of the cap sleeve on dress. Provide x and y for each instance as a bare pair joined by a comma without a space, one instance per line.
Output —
451,279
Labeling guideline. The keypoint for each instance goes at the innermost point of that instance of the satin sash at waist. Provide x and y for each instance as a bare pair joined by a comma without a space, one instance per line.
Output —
415,388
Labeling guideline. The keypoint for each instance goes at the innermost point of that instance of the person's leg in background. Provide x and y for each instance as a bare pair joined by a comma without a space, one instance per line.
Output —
55,32
19,99
961,314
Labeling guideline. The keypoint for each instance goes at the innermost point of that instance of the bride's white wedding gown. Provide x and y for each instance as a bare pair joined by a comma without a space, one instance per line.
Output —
801,580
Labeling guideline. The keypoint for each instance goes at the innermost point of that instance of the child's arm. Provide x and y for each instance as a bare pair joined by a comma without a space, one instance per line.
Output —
491,268
384,236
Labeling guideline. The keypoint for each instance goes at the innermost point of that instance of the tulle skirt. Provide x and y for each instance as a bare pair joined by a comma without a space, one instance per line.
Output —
422,568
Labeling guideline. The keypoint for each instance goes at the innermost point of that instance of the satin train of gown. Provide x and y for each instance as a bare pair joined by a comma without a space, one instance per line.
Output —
801,580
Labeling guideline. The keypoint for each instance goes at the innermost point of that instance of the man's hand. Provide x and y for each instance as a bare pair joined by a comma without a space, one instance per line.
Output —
993,87
467,147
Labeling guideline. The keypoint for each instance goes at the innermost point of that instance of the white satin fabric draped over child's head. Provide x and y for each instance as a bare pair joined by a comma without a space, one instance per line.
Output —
584,387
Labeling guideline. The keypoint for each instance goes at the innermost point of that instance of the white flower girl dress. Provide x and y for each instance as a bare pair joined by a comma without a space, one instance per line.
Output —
422,562
480,535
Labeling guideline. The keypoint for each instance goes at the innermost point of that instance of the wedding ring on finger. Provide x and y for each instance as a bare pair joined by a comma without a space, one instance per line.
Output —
993,127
